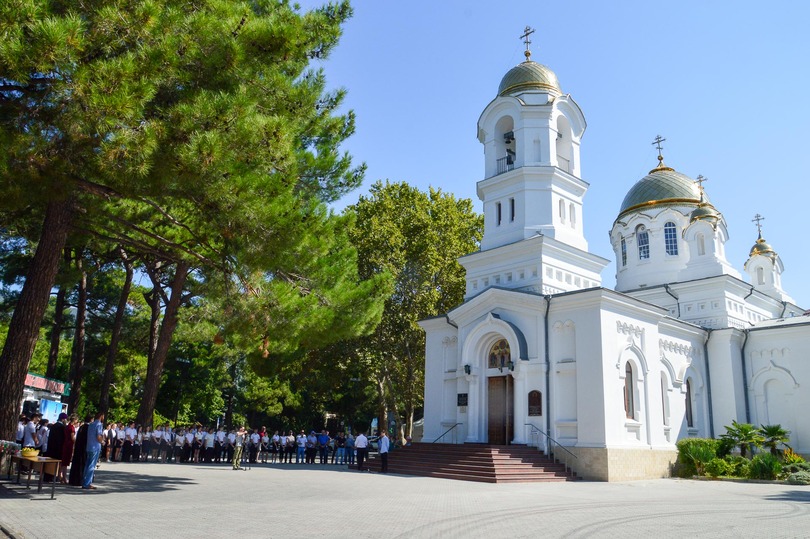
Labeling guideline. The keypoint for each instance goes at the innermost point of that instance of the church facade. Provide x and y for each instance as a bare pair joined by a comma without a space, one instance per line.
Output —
541,353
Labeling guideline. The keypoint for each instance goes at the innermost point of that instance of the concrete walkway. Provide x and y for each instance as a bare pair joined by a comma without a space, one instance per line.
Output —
211,501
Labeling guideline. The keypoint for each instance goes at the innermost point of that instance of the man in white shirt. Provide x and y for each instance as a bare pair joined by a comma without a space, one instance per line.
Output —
361,444
385,443
189,447
231,445
219,445
301,443
30,433
21,428
129,438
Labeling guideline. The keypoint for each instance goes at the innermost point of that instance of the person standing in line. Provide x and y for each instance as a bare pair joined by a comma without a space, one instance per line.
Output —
177,445
323,447
385,443
136,444
239,442
219,444
120,435
311,448
265,447
361,443
157,439
146,444
95,437
129,441
339,456
166,447
349,449
231,448
301,447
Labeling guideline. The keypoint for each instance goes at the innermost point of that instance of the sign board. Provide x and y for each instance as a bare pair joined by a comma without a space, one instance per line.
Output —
462,399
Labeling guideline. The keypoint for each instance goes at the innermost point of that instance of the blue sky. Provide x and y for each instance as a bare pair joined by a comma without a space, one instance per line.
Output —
725,83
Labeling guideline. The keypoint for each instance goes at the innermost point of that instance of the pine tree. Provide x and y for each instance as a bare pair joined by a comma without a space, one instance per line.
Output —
193,133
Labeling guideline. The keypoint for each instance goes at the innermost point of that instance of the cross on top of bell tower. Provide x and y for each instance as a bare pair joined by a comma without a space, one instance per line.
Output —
758,220
525,37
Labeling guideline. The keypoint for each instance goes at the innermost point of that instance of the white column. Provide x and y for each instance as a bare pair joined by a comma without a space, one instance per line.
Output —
519,405
475,402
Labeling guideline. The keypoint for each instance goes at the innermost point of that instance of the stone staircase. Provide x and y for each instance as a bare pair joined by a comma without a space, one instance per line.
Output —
475,462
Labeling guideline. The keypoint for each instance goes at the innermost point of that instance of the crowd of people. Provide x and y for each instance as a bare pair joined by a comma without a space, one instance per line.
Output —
80,446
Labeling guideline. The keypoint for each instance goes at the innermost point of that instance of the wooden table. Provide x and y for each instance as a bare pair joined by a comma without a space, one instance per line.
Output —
43,465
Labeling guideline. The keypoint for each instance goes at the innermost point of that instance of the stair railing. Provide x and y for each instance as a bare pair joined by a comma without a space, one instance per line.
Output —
446,432
549,447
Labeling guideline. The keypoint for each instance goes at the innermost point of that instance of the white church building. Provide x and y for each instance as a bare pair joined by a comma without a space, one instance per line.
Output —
541,353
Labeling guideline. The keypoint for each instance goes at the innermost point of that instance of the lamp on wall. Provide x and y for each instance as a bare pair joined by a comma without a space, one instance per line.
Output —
467,369
511,365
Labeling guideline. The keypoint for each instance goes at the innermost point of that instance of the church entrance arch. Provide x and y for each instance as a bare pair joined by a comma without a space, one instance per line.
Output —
500,394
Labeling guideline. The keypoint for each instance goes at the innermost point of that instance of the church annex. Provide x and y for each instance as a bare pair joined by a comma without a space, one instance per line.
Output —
541,353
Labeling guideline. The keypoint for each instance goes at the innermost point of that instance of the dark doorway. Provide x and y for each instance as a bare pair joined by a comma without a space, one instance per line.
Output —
501,419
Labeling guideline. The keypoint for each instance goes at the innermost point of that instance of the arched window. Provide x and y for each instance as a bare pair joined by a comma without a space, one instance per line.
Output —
760,275
690,420
511,209
572,215
624,253
643,238
498,213
629,403
499,355
671,238
701,245
664,399
562,211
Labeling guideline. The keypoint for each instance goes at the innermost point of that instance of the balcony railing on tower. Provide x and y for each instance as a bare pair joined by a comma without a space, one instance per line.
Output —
505,164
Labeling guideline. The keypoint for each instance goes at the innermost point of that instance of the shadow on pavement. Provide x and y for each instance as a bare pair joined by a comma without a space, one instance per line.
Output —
109,481
792,496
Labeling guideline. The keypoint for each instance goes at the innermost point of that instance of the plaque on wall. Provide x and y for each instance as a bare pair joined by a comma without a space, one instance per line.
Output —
535,403
462,399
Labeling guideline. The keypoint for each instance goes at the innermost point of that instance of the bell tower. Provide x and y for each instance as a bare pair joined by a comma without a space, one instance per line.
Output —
532,186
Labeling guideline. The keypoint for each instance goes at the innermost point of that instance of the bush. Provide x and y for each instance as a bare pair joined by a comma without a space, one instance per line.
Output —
799,478
796,467
694,454
717,467
739,465
765,466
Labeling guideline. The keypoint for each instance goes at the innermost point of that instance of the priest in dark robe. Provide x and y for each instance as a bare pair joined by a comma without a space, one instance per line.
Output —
79,455
56,440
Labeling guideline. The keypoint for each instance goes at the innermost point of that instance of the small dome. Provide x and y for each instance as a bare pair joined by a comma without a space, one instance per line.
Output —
662,186
529,75
762,248
704,212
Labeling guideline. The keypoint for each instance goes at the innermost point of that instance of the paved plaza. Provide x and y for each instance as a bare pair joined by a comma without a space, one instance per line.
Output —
329,501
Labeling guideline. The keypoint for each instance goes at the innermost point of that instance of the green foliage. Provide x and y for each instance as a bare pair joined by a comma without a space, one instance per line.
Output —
743,435
718,467
739,465
765,466
773,436
725,446
799,478
694,454
796,467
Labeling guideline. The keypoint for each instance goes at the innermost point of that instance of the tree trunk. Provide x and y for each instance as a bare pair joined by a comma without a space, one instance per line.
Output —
77,368
27,318
56,332
115,338
154,368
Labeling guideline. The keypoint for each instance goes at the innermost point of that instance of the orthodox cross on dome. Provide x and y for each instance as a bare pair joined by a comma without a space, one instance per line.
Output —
525,37
758,220
657,143
700,179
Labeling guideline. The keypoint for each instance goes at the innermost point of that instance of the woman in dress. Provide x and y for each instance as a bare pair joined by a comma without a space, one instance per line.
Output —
67,446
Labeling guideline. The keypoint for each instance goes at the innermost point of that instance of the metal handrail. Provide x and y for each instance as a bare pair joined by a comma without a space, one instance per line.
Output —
445,432
551,439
